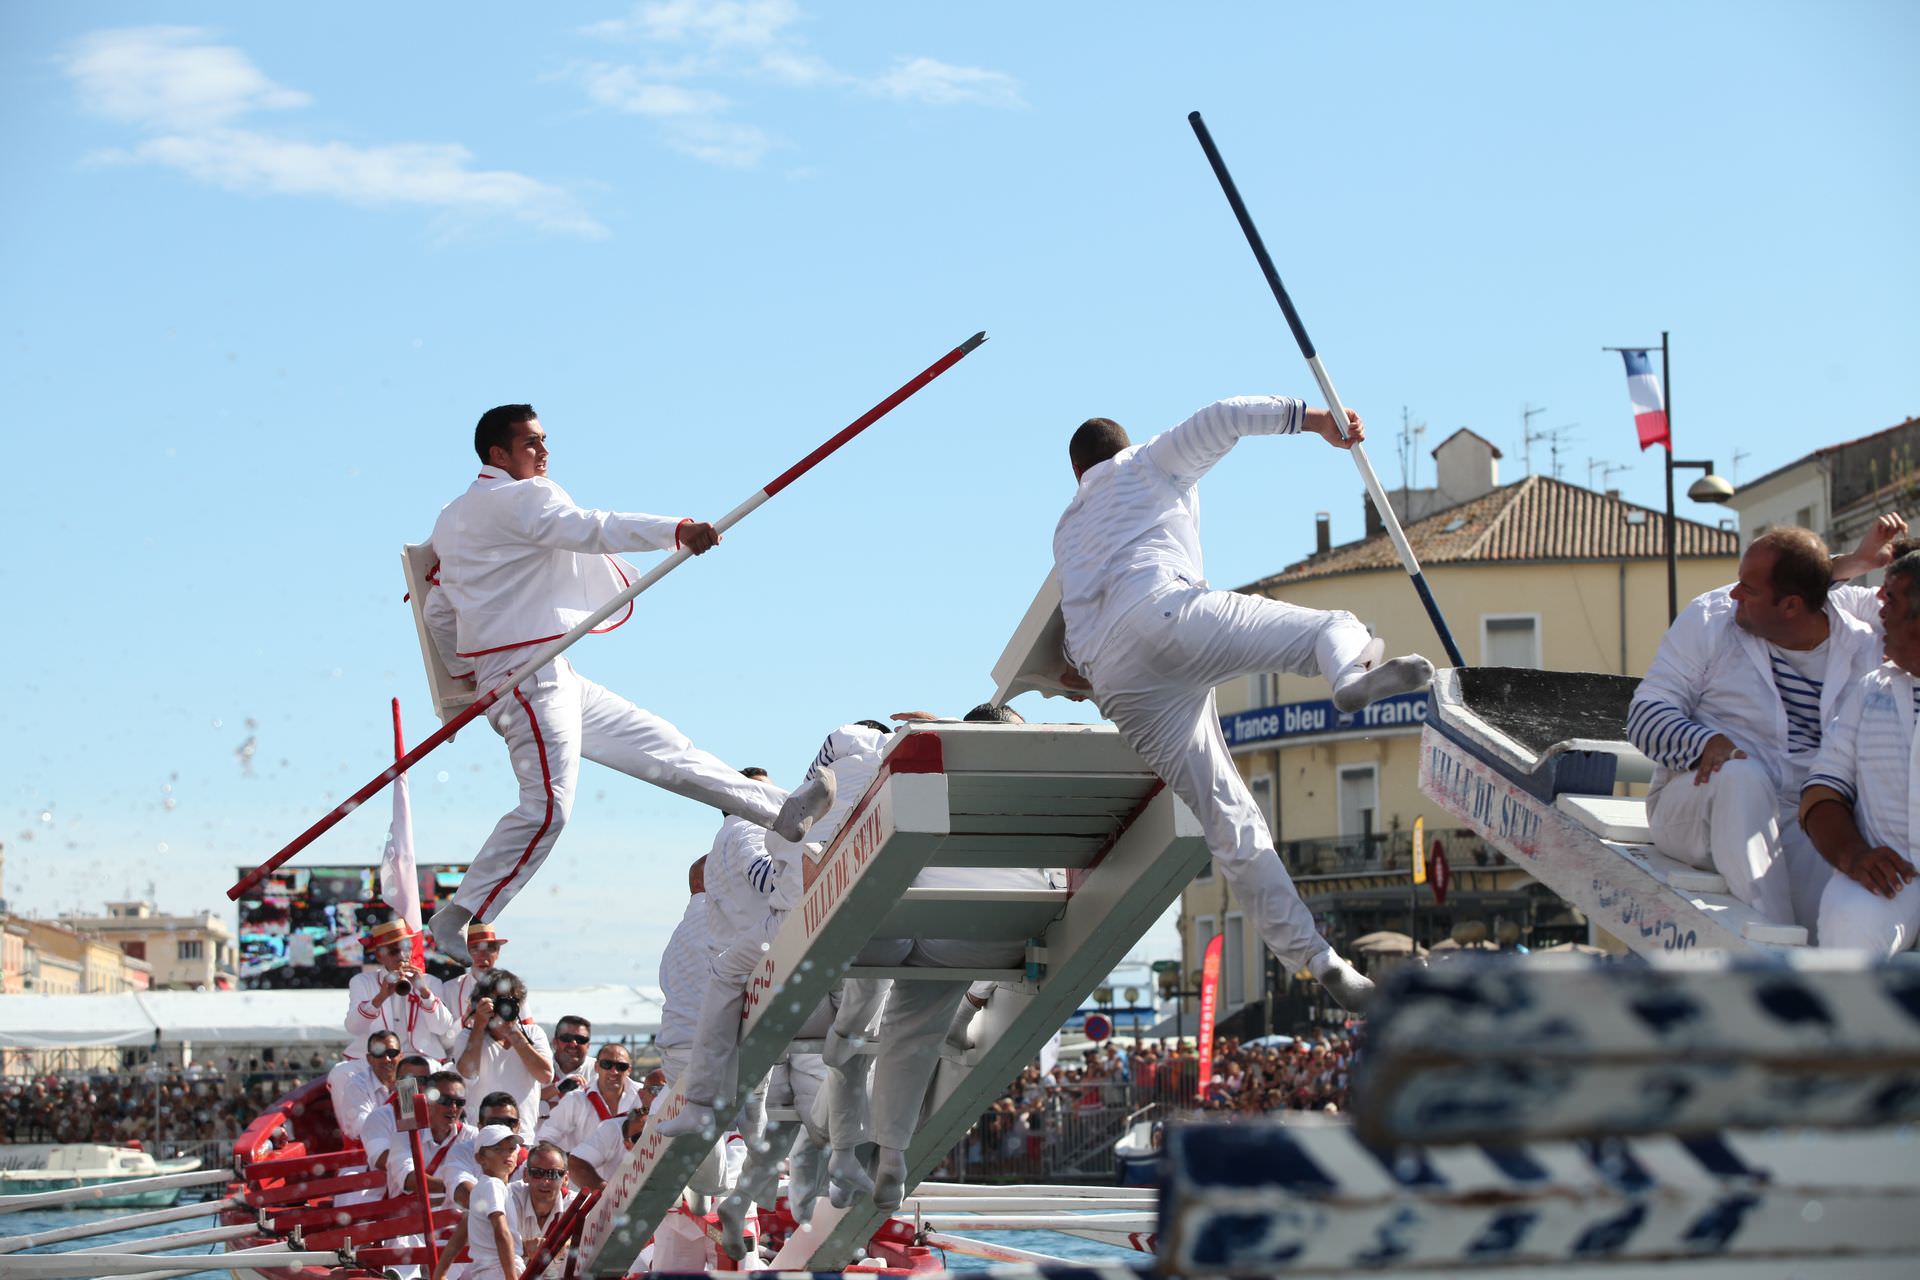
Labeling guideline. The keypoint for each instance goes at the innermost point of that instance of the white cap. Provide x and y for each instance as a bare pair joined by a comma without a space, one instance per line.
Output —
494,1134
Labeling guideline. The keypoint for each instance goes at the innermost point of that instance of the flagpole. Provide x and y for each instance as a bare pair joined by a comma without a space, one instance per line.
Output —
1673,555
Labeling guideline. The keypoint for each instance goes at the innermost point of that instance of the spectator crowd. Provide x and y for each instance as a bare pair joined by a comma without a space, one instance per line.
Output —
202,1103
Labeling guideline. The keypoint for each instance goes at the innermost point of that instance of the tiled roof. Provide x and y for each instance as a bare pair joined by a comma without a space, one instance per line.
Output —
1537,518
1830,450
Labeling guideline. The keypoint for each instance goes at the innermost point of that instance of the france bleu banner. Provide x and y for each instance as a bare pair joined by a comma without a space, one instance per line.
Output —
1649,405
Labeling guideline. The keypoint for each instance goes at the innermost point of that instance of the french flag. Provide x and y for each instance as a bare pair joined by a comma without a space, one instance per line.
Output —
1649,406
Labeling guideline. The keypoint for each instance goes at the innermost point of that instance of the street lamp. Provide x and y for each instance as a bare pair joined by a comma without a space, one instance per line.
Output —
1708,488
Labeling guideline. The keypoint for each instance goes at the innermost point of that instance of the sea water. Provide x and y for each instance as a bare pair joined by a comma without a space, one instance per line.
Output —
35,1221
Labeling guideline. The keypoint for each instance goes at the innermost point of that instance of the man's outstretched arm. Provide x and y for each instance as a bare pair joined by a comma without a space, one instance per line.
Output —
1190,450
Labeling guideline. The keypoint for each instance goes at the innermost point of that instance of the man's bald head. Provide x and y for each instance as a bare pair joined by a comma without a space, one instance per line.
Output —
1097,440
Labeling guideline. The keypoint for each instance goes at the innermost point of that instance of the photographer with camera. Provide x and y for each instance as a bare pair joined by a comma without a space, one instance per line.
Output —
394,996
571,1036
504,1049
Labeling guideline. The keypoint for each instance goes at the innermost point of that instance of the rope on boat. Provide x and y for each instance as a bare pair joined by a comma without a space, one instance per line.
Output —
129,1222
109,1190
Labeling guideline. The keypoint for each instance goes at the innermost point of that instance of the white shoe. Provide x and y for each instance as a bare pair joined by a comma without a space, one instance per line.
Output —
448,926
693,1118
1407,674
847,1179
889,1179
732,1213
805,806
1350,989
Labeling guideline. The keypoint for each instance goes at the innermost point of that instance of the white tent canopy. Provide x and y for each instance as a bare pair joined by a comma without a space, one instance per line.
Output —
269,1017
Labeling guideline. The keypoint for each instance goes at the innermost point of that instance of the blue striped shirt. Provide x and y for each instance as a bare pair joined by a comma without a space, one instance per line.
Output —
1665,735
1799,695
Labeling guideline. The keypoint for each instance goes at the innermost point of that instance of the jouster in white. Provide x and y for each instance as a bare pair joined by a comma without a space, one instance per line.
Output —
1859,804
684,965
1732,709
1151,640
520,564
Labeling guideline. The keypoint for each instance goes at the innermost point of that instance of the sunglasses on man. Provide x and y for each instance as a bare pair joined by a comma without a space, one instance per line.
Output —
381,1055
547,1175
608,1064
453,1101
570,1039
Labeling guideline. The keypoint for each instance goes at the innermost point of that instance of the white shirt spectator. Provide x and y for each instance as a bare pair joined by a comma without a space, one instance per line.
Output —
490,1196
502,1070
450,1160
577,1115
356,1093
604,1148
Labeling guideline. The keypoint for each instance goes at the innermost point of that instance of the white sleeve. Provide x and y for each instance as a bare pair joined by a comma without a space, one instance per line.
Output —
547,519
1189,451
1659,719
1837,765
1859,602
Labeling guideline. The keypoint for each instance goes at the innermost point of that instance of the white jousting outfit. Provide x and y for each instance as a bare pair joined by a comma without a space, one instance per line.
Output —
1712,676
519,565
684,966
1870,759
1153,639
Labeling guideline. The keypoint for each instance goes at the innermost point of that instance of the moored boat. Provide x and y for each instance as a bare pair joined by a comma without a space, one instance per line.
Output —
91,1164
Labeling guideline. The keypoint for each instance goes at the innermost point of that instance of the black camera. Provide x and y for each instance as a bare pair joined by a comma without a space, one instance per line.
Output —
568,1085
507,1009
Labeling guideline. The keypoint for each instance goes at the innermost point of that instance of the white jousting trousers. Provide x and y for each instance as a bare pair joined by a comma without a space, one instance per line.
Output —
1154,679
551,720
1732,824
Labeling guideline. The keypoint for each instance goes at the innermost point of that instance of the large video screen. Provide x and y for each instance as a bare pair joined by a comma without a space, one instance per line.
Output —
302,926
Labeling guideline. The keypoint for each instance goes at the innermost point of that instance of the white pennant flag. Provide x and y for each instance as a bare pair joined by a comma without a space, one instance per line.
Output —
399,880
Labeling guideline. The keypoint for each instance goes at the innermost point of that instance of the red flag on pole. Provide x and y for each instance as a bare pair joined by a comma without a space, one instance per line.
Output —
1442,875
1209,1007
399,878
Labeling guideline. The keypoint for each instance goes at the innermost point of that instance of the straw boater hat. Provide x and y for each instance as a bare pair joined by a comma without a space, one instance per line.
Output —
477,932
385,932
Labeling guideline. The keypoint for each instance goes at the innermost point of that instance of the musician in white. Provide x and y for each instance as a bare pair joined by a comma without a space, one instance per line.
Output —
1732,712
614,1092
1859,806
394,996
1150,639
518,565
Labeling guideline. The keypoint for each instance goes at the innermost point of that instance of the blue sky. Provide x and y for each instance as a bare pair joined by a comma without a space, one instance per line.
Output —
265,266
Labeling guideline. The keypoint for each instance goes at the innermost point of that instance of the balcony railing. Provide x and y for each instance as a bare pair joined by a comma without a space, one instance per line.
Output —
1380,851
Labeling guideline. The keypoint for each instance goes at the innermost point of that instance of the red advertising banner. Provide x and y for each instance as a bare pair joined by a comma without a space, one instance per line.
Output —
1442,874
1209,1007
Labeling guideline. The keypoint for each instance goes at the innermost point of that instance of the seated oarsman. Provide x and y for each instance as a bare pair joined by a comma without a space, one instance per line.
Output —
913,1028
379,1130
1732,709
571,1036
1858,806
358,1088
535,1203
684,964
446,1147
614,1093
503,1048
394,996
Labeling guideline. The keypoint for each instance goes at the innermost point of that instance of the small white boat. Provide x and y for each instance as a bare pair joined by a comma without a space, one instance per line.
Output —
89,1164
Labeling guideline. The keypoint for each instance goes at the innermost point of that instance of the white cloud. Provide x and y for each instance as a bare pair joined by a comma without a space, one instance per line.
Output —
190,95
622,89
693,43
168,78
942,84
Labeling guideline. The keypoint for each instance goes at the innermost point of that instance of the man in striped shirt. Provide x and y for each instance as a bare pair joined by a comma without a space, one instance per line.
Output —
1857,807
1731,711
